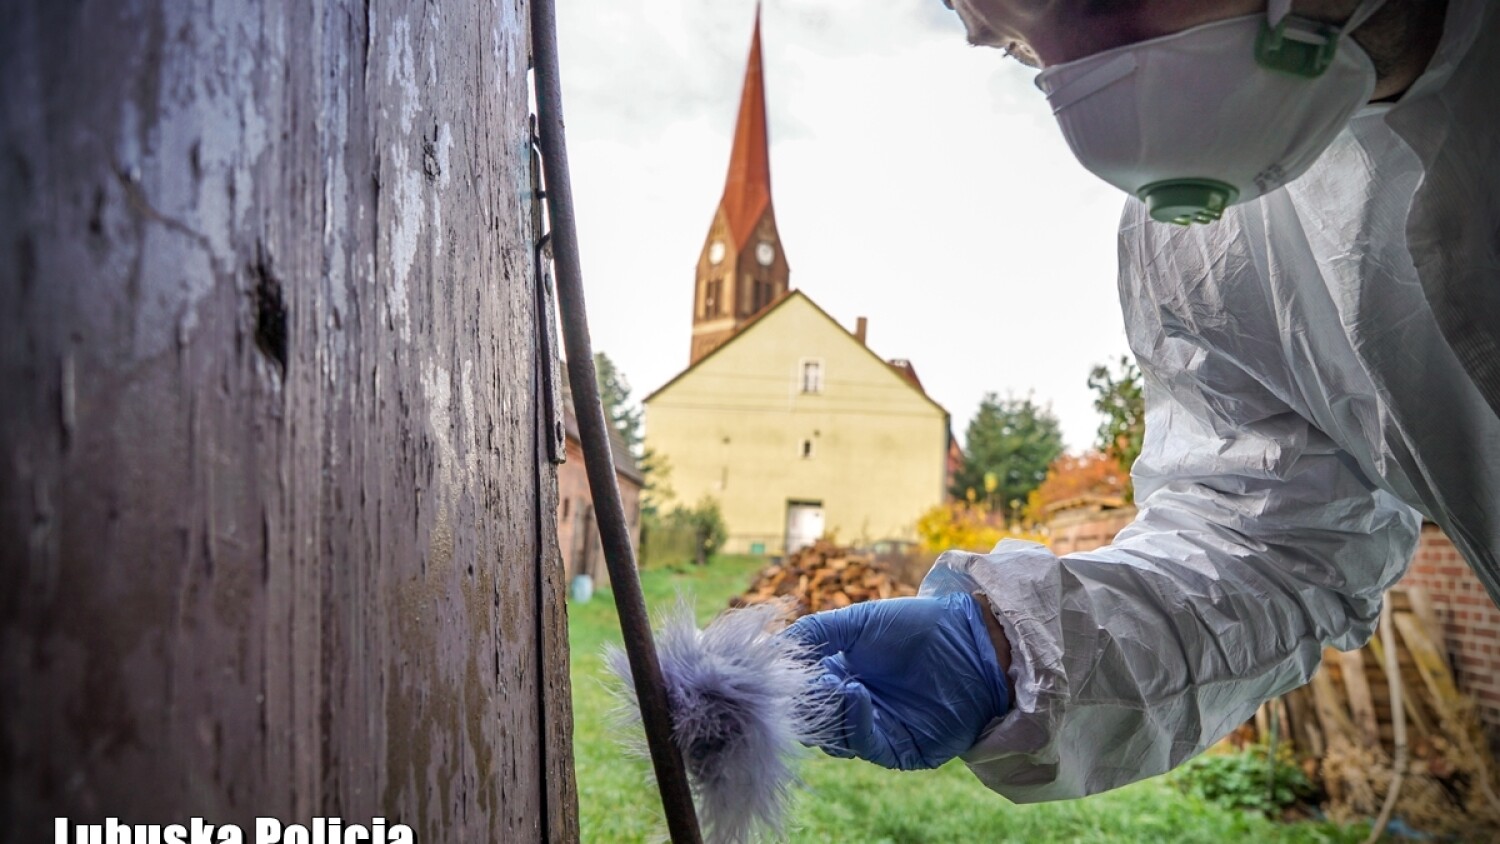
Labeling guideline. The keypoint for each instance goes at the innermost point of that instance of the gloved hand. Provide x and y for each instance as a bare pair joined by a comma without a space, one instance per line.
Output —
917,678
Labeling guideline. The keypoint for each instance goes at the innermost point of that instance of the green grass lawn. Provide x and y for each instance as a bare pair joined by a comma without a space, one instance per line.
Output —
851,800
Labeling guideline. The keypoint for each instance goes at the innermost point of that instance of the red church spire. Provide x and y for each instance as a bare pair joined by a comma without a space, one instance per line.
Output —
741,269
747,190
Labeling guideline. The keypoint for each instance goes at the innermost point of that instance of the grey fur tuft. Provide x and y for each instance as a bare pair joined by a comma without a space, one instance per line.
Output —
743,704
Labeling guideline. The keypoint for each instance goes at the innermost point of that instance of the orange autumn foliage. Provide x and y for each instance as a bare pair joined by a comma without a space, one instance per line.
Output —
1091,474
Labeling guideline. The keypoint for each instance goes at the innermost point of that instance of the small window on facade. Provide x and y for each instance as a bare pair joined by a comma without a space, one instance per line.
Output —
812,376
807,449
566,502
711,297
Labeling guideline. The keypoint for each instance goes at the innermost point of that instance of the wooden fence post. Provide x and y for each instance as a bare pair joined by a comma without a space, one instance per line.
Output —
275,523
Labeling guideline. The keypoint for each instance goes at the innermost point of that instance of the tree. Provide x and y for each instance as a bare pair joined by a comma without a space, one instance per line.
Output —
1120,396
657,493
614,394
1091,474
1008,446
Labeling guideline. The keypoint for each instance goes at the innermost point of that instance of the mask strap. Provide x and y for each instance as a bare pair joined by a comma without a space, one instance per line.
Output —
1362,13
1289,44
1277,10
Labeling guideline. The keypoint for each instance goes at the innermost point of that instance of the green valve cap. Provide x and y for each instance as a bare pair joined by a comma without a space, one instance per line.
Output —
1187,201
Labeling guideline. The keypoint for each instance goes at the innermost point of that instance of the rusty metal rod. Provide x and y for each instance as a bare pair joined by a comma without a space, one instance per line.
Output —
593,432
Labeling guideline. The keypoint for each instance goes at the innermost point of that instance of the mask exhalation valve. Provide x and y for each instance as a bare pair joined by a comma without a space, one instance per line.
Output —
1187,201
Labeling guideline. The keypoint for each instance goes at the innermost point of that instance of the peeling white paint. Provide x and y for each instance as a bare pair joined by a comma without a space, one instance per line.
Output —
400,72
471,425
406,231
183,275
509,22
439,397
437,390
407,212
337,196
442,144
193,165
127,138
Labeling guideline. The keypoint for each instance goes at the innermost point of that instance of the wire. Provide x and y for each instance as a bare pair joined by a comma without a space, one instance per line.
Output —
614,533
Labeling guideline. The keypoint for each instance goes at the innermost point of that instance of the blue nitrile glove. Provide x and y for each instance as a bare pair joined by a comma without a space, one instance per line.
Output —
917,678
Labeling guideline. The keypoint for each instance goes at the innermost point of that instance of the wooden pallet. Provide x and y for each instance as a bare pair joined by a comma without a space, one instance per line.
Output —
1342,727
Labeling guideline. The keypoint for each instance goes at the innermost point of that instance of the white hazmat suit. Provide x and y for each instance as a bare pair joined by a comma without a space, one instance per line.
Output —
1316,368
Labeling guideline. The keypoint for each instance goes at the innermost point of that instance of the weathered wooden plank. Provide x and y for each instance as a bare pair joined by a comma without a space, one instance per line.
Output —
1421,606
1431,663
1357,692
1305,731
269,529
1418,714
1327,702
1460,731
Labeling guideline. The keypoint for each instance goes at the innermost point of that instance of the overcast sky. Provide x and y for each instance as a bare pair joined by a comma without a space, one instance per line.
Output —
917,181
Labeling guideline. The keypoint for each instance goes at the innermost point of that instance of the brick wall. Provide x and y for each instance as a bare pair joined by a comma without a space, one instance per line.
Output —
574,511
1471,622
577,531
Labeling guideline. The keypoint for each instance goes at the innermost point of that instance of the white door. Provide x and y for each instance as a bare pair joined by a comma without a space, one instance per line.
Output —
804,524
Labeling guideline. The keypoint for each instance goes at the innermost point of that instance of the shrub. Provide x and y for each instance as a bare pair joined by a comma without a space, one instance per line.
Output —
664,543
686,534
1246,779
705,524
967,525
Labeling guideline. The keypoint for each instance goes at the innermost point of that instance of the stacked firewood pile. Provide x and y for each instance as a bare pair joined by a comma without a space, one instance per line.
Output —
823,576
1343,729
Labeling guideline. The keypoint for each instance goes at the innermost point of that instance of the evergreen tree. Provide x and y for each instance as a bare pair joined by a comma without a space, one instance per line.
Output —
614,394
1120,396
1008,446
658,491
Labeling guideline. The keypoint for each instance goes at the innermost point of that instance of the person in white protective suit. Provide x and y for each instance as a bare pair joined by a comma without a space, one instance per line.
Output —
1310,278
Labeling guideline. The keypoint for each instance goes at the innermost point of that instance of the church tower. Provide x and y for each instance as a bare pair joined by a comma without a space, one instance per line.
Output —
741,269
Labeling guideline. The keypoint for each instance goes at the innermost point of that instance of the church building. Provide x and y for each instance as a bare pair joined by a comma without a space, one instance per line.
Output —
785,417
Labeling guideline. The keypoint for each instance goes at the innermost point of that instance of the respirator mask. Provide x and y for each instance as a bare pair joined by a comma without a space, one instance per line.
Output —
1193,122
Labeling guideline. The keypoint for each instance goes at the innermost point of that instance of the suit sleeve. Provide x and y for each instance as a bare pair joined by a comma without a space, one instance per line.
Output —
1257,542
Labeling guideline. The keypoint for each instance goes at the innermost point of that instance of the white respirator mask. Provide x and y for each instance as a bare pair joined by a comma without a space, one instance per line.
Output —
1193,122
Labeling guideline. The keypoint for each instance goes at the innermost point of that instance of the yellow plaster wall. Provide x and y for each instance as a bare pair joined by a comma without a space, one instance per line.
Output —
732,428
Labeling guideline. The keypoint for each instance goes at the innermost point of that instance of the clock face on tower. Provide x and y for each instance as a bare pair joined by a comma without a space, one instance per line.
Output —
716,252
765,253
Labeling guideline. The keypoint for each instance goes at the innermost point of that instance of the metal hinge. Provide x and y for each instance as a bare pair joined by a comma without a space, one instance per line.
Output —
548,346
